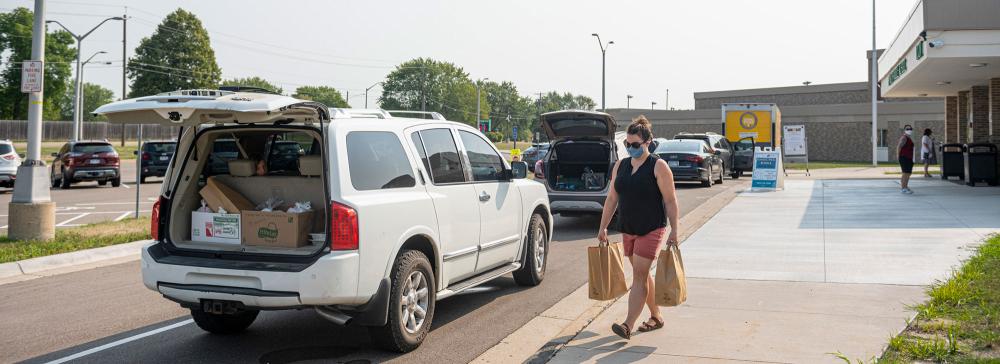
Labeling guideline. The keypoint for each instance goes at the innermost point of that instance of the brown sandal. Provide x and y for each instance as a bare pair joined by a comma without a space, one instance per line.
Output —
622,330
646,327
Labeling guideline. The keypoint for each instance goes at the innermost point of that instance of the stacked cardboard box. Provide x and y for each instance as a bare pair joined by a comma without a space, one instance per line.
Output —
241,223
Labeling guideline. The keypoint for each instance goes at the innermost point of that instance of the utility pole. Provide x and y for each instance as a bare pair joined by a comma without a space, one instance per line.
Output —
366,92
604,51
628,101
124,65
478,112
652,105
874,86
32,213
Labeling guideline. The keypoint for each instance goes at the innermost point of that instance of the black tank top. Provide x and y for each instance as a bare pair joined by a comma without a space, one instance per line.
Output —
640,203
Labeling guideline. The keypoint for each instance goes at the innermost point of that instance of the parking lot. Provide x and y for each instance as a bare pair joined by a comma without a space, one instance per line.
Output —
88,203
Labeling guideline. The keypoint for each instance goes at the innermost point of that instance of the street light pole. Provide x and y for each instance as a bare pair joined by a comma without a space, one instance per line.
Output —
628,101
124,64
32,213
604,52
874,86
478,112
79,99
366,92
652,105
76,97
666,104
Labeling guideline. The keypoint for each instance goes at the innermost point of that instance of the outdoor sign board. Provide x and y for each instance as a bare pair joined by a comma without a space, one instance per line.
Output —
760,121
31,76
795,140
766,170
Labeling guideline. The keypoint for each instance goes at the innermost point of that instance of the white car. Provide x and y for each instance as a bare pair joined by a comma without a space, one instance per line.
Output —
9,161
407,212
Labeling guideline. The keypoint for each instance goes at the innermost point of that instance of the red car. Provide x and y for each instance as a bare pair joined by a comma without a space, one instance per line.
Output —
80,161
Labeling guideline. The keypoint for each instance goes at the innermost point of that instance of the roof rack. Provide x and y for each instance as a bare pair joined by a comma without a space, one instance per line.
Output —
433,114
345,113
197,92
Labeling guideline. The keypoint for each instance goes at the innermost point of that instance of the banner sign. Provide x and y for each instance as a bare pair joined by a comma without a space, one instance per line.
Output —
766,170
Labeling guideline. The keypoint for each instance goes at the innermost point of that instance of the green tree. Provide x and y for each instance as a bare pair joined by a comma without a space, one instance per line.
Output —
15,46
93,97
510,109
427,84
254,81
553,101
177,56
323,94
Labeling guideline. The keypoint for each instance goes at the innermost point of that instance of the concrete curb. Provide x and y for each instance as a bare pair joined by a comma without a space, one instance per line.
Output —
66,262
542,337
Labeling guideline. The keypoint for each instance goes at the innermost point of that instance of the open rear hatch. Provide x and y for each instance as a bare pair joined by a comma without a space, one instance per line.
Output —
260,199
582,152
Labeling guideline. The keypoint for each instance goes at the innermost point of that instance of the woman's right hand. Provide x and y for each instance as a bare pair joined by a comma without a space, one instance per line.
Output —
602,236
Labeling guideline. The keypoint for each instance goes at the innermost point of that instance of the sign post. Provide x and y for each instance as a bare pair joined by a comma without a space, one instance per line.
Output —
796,147
514,136
766,164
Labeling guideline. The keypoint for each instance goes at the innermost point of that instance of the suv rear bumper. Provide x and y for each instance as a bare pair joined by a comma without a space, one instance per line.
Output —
580,202
154,170
92,174
331,280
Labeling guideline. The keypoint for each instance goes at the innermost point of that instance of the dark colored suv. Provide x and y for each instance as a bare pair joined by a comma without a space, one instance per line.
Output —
80,161
154,158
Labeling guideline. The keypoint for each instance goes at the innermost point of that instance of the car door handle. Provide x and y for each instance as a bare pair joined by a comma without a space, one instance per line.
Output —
483,196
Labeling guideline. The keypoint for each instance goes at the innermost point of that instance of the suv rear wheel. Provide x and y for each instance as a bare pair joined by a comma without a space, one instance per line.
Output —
116,182
224,324
535,254
65,182
411,304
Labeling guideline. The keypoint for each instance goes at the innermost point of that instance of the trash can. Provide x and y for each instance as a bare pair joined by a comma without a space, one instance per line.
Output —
953,161
981,164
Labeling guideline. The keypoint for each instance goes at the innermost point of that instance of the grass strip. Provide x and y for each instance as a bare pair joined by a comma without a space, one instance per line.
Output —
960,323
76,238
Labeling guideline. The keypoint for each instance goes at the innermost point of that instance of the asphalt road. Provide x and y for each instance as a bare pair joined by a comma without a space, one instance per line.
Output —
87,203
93,311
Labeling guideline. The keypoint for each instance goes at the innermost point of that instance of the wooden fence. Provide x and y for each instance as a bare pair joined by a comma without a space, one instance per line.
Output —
92,130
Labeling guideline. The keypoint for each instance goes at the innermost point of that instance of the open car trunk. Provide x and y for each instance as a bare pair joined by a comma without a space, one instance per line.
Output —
261,170
579,165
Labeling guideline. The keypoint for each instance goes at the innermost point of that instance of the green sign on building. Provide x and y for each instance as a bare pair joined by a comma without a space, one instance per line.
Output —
897,71
920,50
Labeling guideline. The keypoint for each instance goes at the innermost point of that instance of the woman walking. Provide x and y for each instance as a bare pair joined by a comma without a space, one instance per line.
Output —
927,152
905,148
642,191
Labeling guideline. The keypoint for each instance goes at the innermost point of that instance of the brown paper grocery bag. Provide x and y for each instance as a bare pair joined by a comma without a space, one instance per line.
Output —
671,286
607,272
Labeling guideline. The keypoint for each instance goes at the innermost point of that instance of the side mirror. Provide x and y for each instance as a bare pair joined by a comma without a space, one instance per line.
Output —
519,170
135,152
717,152
54,154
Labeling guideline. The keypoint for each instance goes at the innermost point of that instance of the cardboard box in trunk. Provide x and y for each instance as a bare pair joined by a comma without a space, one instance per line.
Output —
218,195
276,228
215,228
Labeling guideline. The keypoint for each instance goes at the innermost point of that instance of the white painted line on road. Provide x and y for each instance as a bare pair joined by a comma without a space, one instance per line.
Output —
72,219
106,203
120,342
125,185
124,215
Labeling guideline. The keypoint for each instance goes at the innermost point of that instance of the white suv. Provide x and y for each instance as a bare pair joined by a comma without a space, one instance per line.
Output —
407,211
9,161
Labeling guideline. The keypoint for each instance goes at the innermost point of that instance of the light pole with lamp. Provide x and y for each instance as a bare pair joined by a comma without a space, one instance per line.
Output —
604,52
628,101
478,112
369,88
78,103
76,94
652,105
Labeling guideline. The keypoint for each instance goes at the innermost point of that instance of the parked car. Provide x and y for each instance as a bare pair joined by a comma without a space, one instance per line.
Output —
155,158
692,160
736,158
407,212
535,153
223,151
79,161
584,148
284,156
9,161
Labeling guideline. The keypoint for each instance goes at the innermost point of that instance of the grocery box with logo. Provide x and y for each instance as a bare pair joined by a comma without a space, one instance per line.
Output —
276,228
215,228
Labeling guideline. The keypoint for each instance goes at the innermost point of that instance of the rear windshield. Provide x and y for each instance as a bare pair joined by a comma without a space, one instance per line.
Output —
225,146
677,146
6,148
160,147
93,148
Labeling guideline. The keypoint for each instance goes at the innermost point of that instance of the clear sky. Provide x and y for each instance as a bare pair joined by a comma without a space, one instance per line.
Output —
540,45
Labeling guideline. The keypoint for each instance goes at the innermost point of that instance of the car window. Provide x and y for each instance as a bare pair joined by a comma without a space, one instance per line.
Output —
93,148
225,146
440,156
485,162
377,161
681,146
159,147
717,144
6,148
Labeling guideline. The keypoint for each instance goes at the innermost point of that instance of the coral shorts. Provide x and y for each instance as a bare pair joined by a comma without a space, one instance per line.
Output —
645,246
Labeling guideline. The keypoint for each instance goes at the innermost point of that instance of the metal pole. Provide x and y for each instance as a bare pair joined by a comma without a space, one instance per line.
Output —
138,171
628,101
874,86
603,56
666,104
76,93
124,64
477,104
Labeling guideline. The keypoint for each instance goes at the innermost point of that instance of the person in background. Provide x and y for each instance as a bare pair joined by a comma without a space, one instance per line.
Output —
927,152
905,149
539,166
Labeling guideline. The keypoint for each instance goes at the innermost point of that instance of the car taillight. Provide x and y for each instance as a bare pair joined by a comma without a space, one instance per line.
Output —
694,158
343,227
9,157
154,220
145,156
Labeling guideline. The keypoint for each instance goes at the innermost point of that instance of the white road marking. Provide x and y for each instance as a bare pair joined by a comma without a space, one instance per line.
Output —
120,342
125,185
106,203
124,215
72,219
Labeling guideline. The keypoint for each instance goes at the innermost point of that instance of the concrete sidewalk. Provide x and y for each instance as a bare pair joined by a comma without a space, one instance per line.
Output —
790,276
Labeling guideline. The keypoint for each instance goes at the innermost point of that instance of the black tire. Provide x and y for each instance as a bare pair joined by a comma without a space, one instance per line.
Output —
65,183
393,336
55,182
102,183
142,179
116,182
708,181
532,266
736,174
224,324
